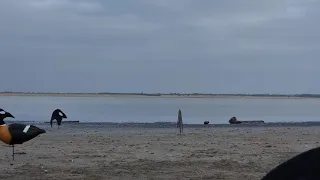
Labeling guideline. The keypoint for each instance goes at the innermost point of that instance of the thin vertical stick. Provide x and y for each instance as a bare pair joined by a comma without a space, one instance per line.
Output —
12,152
180,123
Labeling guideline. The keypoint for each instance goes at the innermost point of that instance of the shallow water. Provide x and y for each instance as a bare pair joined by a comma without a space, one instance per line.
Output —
194,110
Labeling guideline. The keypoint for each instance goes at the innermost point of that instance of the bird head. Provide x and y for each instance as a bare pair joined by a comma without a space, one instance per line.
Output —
58,114
5,114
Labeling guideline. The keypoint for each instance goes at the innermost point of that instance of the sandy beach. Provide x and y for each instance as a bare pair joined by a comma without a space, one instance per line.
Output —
155,153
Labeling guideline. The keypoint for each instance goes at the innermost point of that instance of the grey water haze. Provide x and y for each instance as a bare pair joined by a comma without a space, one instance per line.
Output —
135,109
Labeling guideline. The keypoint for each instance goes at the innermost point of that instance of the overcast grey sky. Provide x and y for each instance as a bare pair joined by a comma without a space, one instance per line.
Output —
215,46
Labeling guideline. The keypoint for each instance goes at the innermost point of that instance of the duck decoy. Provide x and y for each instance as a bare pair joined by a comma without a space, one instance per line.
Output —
16,133
305,165
57,115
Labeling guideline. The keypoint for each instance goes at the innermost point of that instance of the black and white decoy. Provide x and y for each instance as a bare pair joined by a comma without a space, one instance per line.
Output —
57,115
305,165
16,133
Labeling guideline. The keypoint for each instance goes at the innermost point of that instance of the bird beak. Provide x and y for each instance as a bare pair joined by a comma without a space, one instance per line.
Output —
7,114
64,115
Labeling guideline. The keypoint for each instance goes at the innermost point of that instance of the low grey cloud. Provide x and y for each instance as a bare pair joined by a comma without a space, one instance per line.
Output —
221,46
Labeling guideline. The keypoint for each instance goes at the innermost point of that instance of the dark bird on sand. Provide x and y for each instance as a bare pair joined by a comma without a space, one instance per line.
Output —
305,165
57,115
16,133
206,122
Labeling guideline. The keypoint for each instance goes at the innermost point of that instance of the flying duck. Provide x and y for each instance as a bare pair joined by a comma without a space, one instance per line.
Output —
16,133
57,115
305,165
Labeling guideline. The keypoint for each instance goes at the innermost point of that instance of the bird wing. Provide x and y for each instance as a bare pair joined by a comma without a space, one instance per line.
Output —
21,133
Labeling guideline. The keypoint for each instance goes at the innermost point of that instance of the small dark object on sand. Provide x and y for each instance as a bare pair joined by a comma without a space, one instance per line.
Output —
206,122
234,120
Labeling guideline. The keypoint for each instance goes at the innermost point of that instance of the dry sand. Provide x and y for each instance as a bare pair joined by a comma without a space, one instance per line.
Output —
137,153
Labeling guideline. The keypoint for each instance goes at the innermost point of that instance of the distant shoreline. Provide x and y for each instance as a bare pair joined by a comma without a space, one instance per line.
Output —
114,124
173,95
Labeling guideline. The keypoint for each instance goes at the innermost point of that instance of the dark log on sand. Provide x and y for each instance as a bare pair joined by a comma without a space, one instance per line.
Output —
253,121
234,120
66,122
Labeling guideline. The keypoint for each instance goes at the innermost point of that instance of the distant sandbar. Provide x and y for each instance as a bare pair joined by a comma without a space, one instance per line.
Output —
173,95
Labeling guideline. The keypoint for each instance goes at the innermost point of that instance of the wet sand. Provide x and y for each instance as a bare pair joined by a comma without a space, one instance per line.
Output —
155,153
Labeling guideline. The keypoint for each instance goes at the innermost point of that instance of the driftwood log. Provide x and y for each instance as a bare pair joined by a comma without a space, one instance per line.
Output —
234,120
64,122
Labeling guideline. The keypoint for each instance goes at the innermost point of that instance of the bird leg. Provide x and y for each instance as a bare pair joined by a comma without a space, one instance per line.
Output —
12,152
181,127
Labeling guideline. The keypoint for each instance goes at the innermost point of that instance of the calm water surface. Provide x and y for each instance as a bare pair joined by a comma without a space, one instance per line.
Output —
195,111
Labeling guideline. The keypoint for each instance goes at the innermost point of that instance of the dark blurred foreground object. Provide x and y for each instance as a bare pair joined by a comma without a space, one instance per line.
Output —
304,166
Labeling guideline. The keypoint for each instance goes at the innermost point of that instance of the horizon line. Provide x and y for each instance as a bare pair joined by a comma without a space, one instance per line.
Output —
172,93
